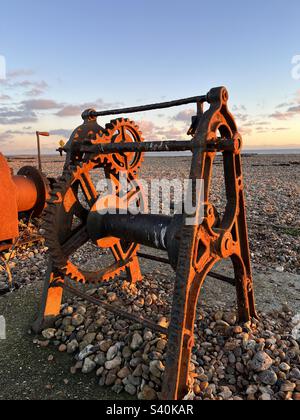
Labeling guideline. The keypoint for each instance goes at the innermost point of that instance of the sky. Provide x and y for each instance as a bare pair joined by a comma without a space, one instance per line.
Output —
65,56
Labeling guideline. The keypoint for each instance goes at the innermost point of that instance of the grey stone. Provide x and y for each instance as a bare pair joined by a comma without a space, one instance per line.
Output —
100,359
136,342
110,379
147,394
77,320
295,374
88,366
284,367
268,377
72,346
156,368
113,364
49,333
288,386
261,362
130,389
117,389
134,380
225,392
124,372
112,352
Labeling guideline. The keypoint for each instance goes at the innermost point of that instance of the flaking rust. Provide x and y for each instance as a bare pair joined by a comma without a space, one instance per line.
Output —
22,194
193,250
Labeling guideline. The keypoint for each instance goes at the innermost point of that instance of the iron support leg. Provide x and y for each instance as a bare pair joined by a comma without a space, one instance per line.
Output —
51,301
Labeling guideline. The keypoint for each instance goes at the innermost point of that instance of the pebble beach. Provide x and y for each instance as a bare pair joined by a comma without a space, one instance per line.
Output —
230,361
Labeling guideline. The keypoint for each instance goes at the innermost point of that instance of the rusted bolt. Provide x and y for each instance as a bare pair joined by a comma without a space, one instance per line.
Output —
226,245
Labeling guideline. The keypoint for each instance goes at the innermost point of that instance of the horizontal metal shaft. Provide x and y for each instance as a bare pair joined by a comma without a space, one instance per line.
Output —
153,258
146,229
220,277
153,146
143,108
116,310
220,145
211,274
154,231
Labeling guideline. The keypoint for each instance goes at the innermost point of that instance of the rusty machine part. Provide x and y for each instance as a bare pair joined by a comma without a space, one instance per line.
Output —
193,250
22,194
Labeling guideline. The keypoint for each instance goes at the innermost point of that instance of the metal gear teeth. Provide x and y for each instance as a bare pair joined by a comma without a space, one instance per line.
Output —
110,129
49,220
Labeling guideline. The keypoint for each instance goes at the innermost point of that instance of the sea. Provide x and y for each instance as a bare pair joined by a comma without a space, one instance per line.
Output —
244,152
184,154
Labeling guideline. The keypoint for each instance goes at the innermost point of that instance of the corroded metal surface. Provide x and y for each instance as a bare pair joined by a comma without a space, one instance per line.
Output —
24,193
193,249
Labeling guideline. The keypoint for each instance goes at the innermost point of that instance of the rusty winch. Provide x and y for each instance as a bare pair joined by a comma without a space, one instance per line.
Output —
72,220
24,194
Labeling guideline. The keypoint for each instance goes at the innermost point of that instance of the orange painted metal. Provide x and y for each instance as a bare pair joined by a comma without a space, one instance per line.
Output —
201,245
24,193
9,229
54,298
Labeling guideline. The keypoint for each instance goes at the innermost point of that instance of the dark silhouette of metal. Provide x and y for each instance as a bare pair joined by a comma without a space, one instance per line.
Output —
193,250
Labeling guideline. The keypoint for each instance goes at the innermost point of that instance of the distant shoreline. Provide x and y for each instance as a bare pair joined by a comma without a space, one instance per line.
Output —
245,152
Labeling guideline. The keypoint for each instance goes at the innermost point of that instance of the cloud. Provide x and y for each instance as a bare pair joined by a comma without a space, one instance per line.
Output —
19,73
73,110
10,116
24,111
40,104
5,137
154,132
293,109
34,92
240,113
241,117
280,129
36,84
184,116
8,135
12,82
254,123
70,111
148,129
171,133
283,116
5,98
284,105
245,131
27,111
239,108
61,132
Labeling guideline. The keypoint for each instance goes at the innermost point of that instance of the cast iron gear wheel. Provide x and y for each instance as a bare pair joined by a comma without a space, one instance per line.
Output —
64,223
122,130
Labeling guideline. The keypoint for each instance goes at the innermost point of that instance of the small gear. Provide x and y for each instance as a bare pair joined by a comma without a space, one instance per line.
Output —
123,130
65,220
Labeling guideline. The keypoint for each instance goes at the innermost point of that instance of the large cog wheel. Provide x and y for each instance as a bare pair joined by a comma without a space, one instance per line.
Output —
122,130
65,220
